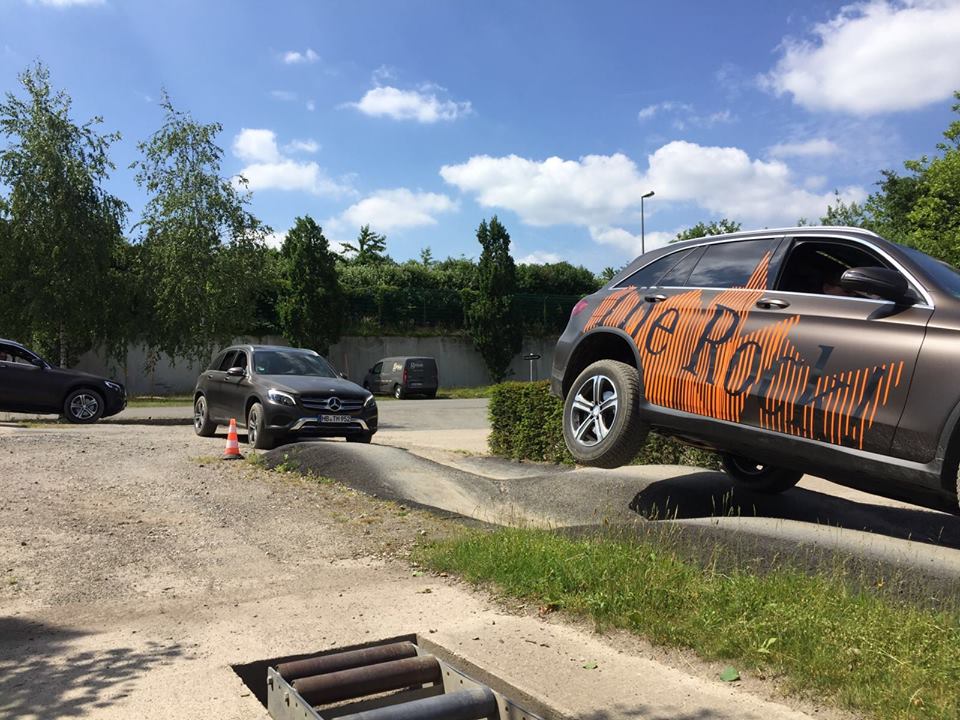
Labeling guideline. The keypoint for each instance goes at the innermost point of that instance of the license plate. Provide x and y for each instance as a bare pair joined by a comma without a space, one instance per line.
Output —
336,419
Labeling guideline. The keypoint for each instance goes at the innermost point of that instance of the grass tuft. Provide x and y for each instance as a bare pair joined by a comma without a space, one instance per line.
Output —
862,651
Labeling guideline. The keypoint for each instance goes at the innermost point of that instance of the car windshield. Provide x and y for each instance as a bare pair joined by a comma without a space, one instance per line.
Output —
291,362
946,276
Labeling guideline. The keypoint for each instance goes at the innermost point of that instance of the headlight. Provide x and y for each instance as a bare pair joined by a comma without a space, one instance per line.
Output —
369,401
281,398
112,386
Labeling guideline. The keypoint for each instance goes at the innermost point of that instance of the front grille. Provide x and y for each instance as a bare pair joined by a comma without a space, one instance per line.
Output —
321,402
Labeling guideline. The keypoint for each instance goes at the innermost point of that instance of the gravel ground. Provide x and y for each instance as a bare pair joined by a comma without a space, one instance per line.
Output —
136,568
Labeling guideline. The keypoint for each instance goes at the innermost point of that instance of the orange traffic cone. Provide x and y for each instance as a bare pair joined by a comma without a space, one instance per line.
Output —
233,445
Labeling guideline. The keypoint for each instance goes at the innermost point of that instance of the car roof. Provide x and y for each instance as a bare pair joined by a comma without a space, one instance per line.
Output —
837,231
11,342
246,346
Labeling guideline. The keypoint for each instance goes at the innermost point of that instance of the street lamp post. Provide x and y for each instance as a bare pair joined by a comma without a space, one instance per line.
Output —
643,243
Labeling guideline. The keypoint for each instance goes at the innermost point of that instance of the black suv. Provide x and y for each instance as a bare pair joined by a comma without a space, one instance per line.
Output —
825,350
28,383
281,393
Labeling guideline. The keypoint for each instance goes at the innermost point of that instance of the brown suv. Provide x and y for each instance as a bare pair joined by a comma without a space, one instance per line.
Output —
823,350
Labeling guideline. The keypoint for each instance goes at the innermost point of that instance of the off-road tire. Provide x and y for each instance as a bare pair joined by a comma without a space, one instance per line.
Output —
361,437
757,476
202,424
617,432
83,406
257,436
398,392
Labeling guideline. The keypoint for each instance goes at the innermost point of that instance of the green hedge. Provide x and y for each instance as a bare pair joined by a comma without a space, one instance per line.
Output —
527,424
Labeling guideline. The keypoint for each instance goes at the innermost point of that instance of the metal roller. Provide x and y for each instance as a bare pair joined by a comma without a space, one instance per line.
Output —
471,704
368,680
291,671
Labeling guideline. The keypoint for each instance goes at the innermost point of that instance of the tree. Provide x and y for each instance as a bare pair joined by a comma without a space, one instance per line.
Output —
62,233
490,312
934,219
426,257
850,214
370,248
203,250
311,304
715,227
560,278
889,208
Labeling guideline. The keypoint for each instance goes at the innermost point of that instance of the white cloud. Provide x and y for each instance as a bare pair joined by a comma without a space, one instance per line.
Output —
591,191
295,57
726,181
539,257
874,57
311,105
628,241
283,95
667,106
684,114
422,105
289,174
256,145
807,148
303,146
602,192
275,239
387,210
268,169
66,3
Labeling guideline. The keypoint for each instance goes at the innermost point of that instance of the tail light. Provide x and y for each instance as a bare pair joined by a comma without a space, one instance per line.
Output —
579,308
404,376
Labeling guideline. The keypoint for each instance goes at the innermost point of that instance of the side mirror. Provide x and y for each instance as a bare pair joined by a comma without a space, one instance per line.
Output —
236,372
882,282
39,363
344,376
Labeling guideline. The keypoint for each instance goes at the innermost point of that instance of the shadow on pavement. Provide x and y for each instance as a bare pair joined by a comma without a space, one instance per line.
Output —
710,494
40,675
647,713
158,421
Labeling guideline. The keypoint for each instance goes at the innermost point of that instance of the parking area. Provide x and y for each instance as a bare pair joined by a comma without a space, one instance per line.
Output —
137,569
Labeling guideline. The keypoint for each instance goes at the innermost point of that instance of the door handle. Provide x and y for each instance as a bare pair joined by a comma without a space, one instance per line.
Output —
654,298
772,303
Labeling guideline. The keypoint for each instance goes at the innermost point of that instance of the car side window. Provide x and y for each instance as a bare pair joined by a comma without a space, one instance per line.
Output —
815,266
377,368
227,361
677,275
649,275
729,265
240,359
14,355
215,363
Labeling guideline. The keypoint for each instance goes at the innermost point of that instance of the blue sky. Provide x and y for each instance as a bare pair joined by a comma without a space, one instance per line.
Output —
421,118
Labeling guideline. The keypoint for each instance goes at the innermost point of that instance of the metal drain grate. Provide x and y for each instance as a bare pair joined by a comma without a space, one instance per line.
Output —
398,679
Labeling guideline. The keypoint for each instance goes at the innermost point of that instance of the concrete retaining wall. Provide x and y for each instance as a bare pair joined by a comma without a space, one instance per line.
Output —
459,363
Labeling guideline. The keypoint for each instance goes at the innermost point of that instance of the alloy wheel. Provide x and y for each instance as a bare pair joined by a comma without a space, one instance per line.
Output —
84,406
594,410
199,413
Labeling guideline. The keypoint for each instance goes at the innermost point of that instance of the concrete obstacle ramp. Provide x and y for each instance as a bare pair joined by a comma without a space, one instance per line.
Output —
537,494
807,524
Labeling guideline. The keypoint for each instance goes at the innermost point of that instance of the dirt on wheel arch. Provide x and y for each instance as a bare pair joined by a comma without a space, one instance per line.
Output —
136,568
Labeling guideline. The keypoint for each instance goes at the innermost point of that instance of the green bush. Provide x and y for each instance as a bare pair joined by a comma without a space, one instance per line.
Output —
527,424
